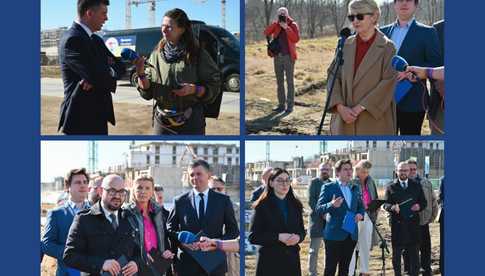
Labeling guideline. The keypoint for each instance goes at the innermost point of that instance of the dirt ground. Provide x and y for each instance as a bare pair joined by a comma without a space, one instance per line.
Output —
375,265
314,57
131,119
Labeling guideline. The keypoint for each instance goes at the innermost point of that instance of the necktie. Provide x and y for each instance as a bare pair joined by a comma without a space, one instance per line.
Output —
403,184
201,207
114,222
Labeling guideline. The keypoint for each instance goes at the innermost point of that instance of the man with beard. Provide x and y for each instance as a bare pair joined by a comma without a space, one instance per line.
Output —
95,190
200,209
426,216
99,236
316,223
404,200
60,219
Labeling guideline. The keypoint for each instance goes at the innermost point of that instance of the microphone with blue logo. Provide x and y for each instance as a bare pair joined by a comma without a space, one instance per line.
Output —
130,55
402,87
187,237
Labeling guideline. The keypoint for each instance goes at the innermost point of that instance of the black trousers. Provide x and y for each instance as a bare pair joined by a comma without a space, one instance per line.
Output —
410,123
338,253
412,257
424,252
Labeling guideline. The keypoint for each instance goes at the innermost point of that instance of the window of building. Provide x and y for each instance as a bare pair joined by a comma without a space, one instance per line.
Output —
206,151
215,151
431,145
174,160
420,145
237,150
374,144
157,159
157,149
174,149
237,160
412,144
366,144
215,160
229,160
148,159
388,144
195,150
229,150
148,148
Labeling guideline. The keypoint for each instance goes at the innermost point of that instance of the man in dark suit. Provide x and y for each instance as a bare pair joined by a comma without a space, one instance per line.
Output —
264,181
60,219
200,209
404,200
89,73
101,235
337,198
418,45
316,223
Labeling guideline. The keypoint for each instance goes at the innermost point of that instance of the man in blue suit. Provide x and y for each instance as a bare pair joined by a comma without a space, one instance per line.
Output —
418,44
89,72
60,219
336,199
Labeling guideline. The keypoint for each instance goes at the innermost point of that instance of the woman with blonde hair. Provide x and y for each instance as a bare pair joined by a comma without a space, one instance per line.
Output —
146,217
362,102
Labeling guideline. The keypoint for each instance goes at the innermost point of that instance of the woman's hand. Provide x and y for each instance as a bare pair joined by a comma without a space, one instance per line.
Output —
293,240
167,254
348,115
187,89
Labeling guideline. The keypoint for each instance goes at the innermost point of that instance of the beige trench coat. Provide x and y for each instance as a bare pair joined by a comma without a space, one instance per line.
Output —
372,87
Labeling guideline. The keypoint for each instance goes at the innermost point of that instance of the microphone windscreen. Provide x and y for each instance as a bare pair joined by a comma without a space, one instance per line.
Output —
345,32
128,54
399,63
186,237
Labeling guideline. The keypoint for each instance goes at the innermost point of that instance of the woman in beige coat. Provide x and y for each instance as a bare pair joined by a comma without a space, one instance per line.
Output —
362,101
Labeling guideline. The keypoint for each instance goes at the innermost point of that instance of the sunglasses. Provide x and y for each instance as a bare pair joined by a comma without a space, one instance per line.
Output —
359,16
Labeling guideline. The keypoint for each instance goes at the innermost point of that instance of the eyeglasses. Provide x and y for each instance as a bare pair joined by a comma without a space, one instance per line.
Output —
113,192
283,182
359,16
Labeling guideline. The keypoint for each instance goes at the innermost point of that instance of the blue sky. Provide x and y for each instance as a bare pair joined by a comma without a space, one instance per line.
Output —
60,13
285,150
58,157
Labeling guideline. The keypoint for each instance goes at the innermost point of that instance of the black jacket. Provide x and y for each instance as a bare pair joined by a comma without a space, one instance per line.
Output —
404,230
219,222
84,57
136,221
92,240
275,258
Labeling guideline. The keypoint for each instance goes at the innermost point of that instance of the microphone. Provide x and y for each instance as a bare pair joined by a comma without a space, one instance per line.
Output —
399,63
130,55
186,237
344,33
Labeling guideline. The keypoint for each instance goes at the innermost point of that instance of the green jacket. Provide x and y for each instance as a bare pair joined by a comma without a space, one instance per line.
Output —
163,80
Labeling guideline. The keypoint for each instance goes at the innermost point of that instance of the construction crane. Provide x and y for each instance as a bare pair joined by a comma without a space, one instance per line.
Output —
92,156
151,11
268,159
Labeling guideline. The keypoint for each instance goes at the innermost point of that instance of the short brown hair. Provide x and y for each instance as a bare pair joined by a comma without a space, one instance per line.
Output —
72,173
411,161
84,5
341,163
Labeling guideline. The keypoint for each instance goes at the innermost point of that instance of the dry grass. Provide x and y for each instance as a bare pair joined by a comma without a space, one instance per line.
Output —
131,119
314,57
50,71
375,259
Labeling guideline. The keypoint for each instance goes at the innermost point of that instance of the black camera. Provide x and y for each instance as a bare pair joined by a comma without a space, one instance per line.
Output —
282,18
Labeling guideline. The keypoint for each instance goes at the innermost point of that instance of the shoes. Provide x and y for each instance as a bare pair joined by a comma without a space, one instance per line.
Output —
278,109
289,110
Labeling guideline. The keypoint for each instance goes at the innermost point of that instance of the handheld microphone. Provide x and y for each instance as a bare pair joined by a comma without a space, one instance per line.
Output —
344,33
399,63
186,237
130,55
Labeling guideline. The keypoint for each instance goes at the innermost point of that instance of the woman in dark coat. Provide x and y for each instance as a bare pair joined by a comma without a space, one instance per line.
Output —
277,226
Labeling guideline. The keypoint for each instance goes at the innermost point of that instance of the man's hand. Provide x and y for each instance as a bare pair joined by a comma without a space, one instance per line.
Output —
293,240
85,85
348,115
192,246
187,89
336,202
395,208
130,269
357,110
419,71
415,207
207,244
358,218
284,25
111,266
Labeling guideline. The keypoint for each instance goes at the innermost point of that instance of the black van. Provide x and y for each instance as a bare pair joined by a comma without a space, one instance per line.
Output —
222,46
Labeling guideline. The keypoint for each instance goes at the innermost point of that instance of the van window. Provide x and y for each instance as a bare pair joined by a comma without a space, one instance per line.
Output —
209,43
228,38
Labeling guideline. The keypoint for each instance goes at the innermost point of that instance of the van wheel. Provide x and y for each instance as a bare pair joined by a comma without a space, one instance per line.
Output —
232,82
134,78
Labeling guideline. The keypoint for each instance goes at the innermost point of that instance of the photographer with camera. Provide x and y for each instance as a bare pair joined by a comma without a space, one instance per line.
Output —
285,34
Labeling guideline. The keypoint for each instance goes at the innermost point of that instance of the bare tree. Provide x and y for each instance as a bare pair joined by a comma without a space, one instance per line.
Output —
268,8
